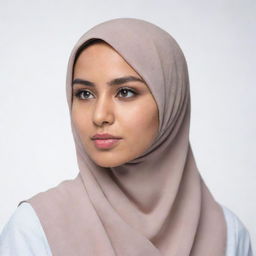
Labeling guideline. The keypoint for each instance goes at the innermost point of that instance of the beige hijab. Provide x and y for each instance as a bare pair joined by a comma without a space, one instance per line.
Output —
156,204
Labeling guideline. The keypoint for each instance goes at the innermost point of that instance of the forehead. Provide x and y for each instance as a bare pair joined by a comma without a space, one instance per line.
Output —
101,58
97,51
90,46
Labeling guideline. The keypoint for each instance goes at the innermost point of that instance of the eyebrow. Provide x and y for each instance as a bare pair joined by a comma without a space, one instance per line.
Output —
116,81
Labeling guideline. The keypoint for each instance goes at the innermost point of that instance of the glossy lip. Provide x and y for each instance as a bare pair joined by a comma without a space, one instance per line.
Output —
105,140
105,143
104,136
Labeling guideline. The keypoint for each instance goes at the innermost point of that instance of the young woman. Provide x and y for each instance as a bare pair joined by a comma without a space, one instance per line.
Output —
138,191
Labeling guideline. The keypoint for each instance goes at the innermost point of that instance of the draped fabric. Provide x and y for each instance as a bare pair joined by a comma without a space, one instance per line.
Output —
156,204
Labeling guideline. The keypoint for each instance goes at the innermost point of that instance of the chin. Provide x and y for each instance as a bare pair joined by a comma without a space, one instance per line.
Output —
108,162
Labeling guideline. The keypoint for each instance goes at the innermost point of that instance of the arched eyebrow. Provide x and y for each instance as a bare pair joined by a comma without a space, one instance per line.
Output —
116,81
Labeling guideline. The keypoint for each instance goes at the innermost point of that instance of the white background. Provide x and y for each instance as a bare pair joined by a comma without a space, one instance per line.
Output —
218,39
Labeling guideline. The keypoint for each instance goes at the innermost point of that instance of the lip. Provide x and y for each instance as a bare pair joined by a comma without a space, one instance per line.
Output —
105,143
104,136
105,140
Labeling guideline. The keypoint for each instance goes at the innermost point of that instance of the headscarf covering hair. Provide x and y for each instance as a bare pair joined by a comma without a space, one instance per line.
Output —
156,204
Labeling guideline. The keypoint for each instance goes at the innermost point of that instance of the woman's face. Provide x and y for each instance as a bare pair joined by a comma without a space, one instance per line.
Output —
109,96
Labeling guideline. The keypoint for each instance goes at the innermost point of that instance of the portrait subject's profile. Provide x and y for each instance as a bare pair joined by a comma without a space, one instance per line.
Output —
139,191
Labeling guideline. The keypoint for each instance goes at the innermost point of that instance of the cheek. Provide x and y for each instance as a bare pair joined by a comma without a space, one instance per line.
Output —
140,121
80,119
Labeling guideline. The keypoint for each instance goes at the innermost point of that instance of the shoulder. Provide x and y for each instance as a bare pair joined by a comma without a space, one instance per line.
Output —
238,238
23,233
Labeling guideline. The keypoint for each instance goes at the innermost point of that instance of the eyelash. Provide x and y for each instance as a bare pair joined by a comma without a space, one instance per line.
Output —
78,93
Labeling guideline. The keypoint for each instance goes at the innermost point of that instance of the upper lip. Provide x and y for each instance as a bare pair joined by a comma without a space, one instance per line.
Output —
104,136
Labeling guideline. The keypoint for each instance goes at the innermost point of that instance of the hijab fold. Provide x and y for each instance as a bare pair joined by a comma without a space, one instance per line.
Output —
156,204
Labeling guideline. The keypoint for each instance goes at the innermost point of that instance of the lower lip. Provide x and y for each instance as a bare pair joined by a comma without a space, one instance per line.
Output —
108,143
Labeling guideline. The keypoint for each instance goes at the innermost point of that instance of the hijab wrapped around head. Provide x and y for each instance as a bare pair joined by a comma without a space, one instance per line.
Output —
156,204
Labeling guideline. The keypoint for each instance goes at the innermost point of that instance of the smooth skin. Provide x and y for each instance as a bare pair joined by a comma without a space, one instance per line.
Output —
124,109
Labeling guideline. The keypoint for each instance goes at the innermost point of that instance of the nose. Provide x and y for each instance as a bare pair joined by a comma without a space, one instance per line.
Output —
103,112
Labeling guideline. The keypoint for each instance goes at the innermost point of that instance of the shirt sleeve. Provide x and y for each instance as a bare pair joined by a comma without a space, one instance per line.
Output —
238,238
23,234
243,240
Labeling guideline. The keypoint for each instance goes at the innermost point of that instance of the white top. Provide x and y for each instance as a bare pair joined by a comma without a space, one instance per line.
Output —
24,235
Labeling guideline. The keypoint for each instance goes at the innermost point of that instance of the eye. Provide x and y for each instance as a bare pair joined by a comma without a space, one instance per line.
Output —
82,94
127,91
